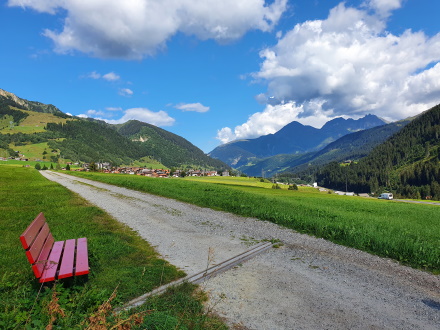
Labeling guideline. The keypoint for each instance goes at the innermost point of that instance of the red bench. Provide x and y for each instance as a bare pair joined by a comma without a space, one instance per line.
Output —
53,260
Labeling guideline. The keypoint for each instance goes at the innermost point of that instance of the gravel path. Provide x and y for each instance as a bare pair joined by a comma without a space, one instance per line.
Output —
308,283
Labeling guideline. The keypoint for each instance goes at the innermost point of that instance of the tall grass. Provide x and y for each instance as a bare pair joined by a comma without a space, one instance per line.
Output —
406,232
118,257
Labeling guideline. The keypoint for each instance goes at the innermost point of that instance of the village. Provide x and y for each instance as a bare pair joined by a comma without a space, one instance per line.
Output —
150,172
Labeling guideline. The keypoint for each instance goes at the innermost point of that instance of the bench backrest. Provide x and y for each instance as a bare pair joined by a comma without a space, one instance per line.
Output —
37,240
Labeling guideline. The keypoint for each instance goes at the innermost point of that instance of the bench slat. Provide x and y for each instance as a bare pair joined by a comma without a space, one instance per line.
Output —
66,268
35,249
82,259
32,231
51,268
51,260
39,266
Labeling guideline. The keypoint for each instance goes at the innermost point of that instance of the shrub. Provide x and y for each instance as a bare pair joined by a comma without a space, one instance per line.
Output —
293,187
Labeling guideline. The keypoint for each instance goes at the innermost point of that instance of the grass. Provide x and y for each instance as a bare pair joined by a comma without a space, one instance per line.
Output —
34,151
409,233
118,257
35,122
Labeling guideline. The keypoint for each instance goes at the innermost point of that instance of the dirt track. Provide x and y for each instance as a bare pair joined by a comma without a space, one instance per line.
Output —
308,283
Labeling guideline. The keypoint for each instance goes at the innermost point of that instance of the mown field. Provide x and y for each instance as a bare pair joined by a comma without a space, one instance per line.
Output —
409,233
118,257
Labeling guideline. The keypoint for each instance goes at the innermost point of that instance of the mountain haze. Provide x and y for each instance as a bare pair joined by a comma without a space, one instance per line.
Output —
294,138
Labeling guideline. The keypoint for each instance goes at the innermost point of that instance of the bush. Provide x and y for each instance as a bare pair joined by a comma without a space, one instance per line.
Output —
293,187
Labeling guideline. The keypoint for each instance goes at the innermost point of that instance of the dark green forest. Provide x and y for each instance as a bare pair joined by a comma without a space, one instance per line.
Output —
170,149
407,164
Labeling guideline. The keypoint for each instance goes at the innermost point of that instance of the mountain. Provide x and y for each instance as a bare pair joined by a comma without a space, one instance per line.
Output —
42,131
349,147
294,138
170,149
7,98
408,163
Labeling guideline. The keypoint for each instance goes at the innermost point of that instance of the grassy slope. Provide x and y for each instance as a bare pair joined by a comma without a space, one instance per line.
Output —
118,257
35,122
406,232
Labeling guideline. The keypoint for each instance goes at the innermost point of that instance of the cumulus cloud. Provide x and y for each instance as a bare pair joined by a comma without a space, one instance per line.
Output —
275,117
353,66
384,7
125,92
346,65
196,107
159,118
138,28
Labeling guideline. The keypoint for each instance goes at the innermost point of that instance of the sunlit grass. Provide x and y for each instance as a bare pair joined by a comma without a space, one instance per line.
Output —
118,257
409,233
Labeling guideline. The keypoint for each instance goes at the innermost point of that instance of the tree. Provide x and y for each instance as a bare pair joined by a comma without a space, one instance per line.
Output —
44,167
67,167
38,166
51,166
92,167
293,187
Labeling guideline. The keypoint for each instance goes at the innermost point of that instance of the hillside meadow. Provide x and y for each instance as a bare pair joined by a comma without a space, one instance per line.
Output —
118,258
408,233
34,122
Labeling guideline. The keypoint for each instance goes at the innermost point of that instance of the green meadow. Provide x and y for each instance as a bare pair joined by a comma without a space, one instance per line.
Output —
408,233
118,259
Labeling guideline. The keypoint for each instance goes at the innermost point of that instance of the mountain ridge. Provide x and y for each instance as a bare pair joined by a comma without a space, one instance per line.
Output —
293,138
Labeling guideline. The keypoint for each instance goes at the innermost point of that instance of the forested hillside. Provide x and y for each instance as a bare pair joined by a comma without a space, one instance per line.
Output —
407,164
170,149
60,136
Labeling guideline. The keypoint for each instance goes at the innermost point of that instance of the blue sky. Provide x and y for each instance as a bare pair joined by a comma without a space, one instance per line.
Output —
214,71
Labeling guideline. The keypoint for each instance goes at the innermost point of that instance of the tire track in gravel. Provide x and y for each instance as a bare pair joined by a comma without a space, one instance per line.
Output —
308,283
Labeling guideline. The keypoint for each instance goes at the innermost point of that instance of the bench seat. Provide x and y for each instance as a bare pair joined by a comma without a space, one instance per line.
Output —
52,260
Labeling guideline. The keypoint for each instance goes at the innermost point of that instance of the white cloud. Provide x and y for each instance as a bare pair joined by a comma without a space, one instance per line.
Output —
113,109
196,107
94,113
384,7
352,66
93,75
135,29
125,92
275,117
159,118
111,76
